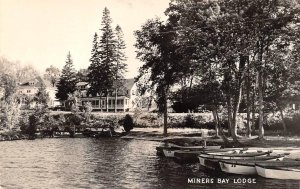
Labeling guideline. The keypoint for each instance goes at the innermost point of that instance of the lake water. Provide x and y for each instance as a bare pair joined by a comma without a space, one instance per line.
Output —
103,163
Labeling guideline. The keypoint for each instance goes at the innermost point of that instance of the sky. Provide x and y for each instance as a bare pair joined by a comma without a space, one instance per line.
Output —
42,32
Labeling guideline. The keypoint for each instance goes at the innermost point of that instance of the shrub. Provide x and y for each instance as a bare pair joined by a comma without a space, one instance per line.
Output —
31,129
74,119
292,124
87,110
190,122
128,123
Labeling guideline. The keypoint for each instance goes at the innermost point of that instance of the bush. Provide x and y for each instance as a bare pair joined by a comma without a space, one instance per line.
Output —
190,122
31,129
275,125
128,123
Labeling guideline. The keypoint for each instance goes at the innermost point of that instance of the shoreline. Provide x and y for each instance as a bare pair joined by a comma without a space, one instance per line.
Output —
184,137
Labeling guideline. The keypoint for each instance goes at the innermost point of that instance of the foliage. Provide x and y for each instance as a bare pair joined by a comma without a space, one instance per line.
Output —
42,96
128,123
87,111
16,71
52,74
190,122
156,48
32,127
292,124
162,66
231,41
120,67
120,57
200,96
67,81
10,113
82,75
8,83
24,121
25,73
108,66
101,69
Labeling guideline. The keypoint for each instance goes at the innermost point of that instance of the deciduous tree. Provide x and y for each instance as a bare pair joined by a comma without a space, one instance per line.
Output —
52,74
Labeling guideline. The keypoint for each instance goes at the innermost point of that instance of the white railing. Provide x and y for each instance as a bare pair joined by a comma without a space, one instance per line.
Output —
109,106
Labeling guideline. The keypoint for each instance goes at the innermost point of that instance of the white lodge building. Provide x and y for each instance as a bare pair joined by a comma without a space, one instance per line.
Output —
29,89
125,100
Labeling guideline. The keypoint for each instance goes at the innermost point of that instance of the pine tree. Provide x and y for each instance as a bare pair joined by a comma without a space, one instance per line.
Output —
107,67
94,70
107,48
67,81
120,65
101,70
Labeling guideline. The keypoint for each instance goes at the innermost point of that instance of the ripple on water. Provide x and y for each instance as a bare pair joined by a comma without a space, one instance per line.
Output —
105,163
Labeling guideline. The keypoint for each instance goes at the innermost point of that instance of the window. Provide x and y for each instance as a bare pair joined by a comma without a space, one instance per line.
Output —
120,102
28,91
133,92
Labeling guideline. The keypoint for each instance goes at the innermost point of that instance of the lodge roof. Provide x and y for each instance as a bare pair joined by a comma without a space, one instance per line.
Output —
35,83
128,83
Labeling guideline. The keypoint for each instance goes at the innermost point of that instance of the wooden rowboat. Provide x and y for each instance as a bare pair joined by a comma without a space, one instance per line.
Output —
169,152
228,155
246,167
279,170
186,156
211,161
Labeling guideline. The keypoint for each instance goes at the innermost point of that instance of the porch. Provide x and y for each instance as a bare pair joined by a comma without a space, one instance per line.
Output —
99,103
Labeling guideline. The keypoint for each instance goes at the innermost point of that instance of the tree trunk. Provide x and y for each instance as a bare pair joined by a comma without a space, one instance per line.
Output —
260,89
253,111
231,122
283,122
214,112
107,101
116,99
260,106
217,121
237,103
248,104
166,112
165,117
74,130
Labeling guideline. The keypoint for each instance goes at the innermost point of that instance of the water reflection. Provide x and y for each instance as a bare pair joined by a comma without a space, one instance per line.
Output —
107,163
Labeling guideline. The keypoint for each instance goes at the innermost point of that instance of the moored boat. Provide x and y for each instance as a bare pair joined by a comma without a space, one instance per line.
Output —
169,146
186,156
288,170
171,152
211,161
244,166
168,150
235,155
